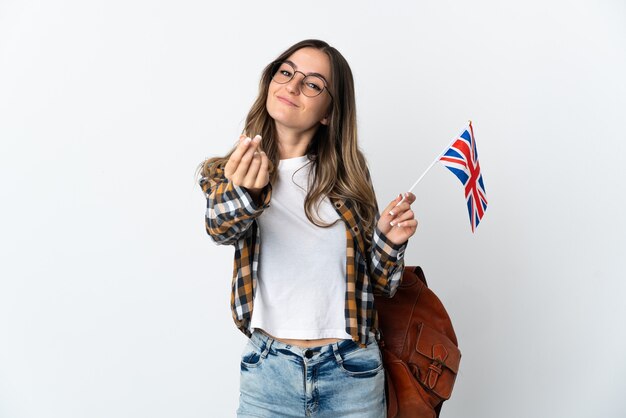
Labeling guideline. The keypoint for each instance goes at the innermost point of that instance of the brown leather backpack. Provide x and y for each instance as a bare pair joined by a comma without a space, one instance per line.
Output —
419,348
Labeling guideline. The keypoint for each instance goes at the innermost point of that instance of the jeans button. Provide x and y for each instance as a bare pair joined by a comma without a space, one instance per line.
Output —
308,354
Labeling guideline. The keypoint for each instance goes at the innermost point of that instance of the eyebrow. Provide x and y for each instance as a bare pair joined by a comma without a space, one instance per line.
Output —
317,74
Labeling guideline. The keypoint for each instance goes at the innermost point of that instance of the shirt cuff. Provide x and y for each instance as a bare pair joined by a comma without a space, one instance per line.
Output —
386,250
248,202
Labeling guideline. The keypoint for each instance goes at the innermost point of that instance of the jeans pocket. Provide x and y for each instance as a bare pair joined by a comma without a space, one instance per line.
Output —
361,362
252,356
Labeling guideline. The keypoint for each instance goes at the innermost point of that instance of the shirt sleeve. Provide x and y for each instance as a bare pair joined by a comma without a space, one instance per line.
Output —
230,209
386,261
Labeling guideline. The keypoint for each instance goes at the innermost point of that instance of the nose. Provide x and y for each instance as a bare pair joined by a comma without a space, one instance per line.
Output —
294,85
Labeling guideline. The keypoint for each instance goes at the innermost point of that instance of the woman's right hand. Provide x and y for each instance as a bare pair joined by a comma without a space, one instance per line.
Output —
248,167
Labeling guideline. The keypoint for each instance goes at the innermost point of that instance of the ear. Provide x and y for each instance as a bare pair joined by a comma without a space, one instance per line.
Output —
325,120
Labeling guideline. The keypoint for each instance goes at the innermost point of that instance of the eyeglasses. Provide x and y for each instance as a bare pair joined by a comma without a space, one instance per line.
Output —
312,85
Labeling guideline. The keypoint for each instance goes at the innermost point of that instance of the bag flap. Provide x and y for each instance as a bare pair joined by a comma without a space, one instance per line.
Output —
436,346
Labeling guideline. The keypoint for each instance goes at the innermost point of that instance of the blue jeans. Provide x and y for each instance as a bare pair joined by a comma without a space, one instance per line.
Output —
336,380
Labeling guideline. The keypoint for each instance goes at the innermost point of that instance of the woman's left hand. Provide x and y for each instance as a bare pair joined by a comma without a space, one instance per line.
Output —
402,218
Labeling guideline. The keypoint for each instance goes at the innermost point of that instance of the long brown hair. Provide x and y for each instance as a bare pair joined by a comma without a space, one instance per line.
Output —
339,165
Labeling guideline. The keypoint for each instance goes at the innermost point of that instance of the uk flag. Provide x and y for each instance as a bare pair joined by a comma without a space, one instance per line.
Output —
462,159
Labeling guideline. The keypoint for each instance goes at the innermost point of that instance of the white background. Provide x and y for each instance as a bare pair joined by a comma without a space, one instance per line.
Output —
115,303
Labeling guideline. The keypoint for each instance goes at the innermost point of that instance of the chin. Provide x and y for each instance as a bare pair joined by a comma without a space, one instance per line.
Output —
280,116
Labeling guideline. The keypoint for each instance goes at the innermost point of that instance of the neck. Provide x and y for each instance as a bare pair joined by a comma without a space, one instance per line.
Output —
293,143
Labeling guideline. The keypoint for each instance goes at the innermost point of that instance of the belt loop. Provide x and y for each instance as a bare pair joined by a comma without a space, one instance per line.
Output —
336,352
268,344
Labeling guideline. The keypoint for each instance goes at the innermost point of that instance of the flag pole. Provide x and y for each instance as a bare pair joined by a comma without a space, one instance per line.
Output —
433,163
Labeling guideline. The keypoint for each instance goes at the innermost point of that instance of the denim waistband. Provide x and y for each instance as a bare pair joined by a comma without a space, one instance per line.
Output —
266,343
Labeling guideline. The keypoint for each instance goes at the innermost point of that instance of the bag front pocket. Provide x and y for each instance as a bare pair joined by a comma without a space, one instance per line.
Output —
435,361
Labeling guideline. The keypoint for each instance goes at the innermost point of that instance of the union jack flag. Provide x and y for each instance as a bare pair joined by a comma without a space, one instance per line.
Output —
462,159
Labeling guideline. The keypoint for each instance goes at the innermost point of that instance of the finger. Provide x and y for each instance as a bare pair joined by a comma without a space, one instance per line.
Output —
236,156
407,199
408,196
400,209
253,169
409,214
263,176
390,206
407,224
246,159
242,148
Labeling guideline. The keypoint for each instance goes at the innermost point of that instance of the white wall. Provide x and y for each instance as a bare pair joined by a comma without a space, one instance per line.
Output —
115,303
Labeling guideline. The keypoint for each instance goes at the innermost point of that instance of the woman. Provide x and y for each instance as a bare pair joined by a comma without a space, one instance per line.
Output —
308,264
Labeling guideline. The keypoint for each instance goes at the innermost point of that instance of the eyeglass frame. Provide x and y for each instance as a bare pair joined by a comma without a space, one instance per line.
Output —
279,63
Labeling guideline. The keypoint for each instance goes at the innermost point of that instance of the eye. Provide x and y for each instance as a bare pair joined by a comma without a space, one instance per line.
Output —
314,86
286,73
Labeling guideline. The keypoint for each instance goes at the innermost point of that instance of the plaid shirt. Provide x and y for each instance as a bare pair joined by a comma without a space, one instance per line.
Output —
231,219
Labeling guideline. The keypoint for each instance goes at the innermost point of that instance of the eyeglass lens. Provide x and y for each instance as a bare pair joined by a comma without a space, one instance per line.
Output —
312,85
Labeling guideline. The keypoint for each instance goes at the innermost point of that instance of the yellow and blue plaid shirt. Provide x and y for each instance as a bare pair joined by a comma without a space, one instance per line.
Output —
231,219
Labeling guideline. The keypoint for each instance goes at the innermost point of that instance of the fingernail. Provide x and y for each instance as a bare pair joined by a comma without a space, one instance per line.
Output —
257,138
248,140
399,224
391,213
391,223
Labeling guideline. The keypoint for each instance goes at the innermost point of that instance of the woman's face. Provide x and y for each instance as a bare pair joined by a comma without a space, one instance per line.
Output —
285,102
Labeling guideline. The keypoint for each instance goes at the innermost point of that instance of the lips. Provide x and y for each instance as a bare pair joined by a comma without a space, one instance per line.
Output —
282,99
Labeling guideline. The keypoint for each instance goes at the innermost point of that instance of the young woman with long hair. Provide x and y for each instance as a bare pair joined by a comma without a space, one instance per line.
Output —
295,198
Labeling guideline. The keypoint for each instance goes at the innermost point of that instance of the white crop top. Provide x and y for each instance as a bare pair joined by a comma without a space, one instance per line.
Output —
301,285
